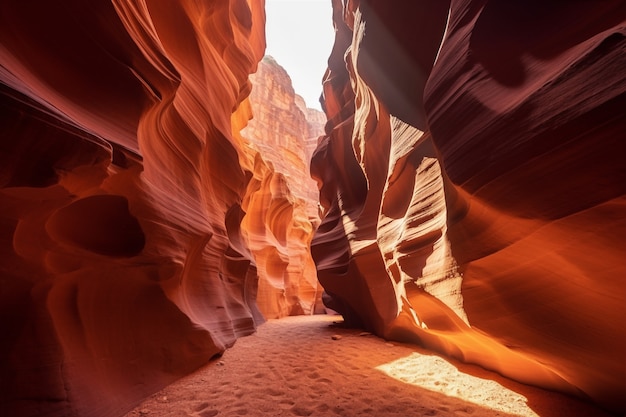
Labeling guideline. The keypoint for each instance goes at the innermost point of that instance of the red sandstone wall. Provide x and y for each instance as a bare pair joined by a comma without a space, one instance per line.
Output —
126,256
473,184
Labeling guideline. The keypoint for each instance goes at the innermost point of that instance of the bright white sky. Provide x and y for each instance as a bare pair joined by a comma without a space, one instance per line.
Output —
300,37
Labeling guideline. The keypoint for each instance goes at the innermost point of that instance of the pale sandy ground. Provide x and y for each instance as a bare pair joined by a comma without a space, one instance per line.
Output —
295,367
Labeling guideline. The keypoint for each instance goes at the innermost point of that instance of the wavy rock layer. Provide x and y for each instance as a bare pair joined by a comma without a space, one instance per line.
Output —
282,209
131,209
473,184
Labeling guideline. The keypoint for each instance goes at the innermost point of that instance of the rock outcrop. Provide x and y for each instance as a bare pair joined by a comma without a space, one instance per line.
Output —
131,208
473,184
283,208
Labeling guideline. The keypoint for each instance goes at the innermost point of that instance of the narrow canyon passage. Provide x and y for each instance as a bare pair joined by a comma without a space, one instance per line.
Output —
165,190
314,366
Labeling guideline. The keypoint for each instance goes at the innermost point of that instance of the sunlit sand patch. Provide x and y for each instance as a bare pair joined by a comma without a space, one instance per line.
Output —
438,375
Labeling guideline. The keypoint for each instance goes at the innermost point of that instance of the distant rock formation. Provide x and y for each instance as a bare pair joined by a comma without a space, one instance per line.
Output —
133,214
473,184
283,210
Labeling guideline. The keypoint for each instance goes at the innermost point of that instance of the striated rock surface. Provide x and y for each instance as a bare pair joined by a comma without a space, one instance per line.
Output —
282,194
473,187
132,212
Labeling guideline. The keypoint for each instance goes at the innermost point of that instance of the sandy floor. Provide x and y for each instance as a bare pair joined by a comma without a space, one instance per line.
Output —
306,366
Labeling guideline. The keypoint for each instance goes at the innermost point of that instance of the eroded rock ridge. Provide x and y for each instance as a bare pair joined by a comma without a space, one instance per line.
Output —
137,224
473,184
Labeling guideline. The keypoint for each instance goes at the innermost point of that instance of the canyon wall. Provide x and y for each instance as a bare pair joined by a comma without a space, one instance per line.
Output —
131,208
473,185
284,132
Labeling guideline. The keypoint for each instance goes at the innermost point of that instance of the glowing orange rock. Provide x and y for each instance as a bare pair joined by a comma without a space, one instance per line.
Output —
281,201
473,185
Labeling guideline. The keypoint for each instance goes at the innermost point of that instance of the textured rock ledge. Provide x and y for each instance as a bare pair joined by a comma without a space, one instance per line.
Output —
473,185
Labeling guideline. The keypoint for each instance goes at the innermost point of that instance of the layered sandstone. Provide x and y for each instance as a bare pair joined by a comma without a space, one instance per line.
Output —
282,210
130,205
473,185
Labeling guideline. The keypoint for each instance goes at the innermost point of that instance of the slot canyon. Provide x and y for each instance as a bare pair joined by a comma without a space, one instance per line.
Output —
164,191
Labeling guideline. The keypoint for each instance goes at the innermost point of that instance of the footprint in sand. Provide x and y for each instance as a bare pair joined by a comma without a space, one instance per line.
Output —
273,392
285,404
202,411
301,411
201,406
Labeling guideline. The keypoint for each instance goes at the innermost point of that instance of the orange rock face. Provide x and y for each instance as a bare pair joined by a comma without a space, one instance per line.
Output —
282,200
131,209
473,185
